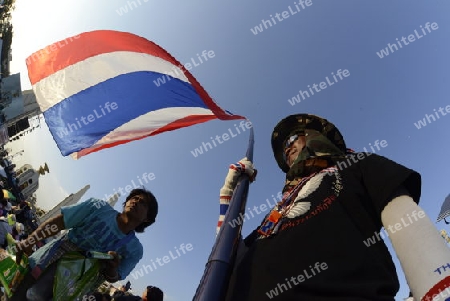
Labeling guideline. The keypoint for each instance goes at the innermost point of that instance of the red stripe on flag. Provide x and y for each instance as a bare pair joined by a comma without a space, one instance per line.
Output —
72,50
437,289
64,53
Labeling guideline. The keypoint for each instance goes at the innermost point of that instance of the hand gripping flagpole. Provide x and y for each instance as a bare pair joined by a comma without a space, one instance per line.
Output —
214,283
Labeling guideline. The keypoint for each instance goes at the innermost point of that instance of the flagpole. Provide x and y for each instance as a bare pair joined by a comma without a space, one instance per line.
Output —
214,283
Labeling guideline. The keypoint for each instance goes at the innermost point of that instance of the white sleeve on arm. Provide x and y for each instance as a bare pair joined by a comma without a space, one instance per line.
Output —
423,253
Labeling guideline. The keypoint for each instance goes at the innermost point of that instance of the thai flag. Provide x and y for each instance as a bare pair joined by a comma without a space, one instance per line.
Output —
103,88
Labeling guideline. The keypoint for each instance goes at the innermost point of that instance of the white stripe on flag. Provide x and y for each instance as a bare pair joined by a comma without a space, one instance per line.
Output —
145,124
94,70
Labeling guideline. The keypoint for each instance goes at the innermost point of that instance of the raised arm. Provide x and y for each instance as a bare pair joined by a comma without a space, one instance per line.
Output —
226,192
423,253
45,230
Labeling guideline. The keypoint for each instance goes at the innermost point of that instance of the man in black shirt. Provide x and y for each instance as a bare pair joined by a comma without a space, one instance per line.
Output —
321,242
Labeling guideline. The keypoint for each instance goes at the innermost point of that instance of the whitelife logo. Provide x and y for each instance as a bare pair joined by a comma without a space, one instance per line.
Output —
188,66
430,118
49,49
319,87
85,120
398,226
146,177
411,38
130,4
262,208
204,147
282,287
146,269
31,240
266,24
341,165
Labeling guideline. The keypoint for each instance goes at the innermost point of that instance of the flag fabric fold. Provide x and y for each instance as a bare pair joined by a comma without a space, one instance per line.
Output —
103,88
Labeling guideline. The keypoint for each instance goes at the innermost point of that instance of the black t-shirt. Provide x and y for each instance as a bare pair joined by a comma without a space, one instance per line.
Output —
128,298
324,253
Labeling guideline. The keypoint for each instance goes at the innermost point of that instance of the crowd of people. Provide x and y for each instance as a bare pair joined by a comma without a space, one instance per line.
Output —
8,179
16,216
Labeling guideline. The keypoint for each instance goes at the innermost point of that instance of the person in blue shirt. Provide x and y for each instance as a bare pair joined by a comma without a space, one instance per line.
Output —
92,225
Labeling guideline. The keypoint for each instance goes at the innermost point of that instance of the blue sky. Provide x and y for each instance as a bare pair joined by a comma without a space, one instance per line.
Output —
255,76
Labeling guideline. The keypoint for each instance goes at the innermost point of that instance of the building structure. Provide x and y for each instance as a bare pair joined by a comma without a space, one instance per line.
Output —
11,101
6,63
28,178
30,107
22,123
69,200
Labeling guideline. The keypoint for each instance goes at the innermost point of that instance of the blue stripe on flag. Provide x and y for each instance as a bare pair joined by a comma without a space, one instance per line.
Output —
224,208
74,122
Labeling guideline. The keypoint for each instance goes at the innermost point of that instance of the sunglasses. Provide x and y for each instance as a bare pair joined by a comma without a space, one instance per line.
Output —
289,141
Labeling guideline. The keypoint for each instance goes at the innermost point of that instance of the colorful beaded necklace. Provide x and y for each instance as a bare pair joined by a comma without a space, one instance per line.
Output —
273,218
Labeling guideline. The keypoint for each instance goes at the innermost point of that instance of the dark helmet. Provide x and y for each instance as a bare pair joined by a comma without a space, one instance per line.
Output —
298,123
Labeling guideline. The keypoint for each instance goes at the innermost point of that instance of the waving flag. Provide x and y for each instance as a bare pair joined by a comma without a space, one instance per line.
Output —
103,88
